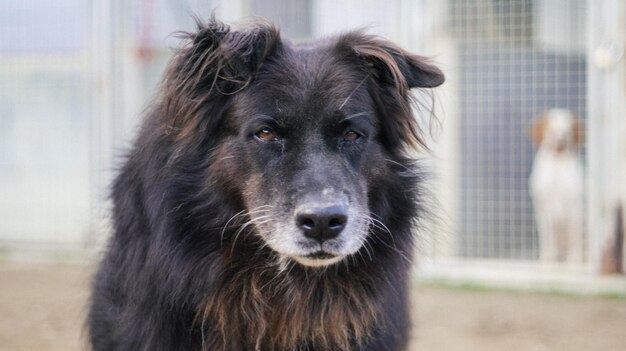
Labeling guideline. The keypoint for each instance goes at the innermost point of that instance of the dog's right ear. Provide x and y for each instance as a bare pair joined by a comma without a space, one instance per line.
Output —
215,63
578,132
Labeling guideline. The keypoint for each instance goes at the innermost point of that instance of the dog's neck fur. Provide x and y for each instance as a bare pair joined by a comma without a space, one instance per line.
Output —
293,309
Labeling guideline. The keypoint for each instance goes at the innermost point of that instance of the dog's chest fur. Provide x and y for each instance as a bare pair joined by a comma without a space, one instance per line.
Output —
557,173
280,313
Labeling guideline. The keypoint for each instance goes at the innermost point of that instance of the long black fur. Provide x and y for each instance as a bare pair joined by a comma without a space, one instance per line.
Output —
181,273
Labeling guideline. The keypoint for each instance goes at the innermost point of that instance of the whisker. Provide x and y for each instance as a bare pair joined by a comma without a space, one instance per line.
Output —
407,169
361,255
226,225
376,223
359,114
232,248
353,91
380,225
367,250
242,213
395,249
247,224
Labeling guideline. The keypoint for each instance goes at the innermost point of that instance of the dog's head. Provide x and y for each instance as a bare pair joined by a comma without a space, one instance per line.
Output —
557,130
301,133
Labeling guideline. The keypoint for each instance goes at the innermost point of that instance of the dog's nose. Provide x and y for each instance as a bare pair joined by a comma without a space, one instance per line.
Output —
322,222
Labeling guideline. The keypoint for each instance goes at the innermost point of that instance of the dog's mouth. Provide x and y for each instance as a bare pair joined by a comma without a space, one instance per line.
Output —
320,255
318,259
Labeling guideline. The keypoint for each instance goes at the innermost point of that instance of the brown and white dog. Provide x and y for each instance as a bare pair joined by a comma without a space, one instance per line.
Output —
557,184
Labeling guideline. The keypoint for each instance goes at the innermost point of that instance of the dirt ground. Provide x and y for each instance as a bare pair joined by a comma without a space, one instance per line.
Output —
42,308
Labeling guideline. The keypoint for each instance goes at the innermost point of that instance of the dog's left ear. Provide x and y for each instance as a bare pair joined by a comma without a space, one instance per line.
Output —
390,64
538,128
392,72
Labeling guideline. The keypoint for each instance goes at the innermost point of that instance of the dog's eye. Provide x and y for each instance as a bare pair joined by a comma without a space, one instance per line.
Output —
351,135
266,134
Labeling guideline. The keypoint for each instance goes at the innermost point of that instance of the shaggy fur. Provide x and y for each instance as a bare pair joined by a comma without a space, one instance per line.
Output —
204,252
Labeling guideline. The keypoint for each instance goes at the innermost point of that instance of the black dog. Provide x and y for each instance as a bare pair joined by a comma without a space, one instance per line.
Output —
268,201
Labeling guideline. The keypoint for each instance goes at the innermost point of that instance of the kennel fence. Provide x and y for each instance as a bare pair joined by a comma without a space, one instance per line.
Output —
509,61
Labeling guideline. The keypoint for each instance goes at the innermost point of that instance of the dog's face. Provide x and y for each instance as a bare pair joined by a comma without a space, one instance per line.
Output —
558,130
308,148
311,132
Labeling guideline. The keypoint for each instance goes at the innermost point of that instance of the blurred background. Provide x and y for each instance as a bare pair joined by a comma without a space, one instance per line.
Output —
75,76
